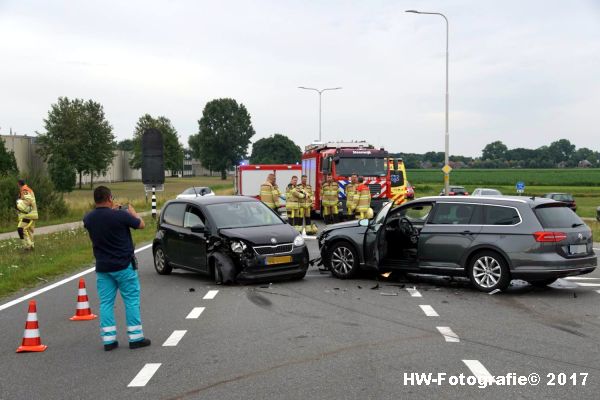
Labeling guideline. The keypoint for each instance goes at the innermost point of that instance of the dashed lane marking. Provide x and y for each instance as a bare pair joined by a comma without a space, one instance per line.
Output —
56,284
448,334
585,284
145,374
429,311
174,339
413,292
210,295
598,291
195,313
478,370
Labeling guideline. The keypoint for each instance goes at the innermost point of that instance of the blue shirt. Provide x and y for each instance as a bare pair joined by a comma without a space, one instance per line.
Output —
111,237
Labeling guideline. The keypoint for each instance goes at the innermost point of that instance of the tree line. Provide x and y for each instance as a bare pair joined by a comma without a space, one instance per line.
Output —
559,154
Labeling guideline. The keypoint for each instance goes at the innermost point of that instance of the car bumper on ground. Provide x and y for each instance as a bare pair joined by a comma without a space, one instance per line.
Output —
258,269
556,269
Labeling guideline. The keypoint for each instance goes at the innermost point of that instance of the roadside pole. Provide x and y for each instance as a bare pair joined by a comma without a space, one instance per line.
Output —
154,202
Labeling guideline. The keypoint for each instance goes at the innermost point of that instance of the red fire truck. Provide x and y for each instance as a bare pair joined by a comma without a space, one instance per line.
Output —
342,160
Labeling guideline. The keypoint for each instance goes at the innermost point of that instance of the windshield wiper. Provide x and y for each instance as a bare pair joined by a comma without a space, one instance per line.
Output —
576,225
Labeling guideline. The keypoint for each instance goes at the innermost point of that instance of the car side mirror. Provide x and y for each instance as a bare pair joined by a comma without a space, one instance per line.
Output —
363,222
199,229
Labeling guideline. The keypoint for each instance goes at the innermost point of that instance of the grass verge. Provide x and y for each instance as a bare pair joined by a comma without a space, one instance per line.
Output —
55,254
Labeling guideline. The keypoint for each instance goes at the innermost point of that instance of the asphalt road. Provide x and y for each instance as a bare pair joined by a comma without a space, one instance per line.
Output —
318,338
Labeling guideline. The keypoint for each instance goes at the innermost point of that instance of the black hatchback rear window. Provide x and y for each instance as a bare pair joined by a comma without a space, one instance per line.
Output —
557,217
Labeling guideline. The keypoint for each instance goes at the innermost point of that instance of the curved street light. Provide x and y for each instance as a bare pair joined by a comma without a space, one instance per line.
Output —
320,91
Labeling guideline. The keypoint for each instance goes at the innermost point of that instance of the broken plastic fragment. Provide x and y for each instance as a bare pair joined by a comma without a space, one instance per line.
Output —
494,291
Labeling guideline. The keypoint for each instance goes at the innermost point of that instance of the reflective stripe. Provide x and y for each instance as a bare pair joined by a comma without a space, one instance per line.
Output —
109,329
136,336
134,328
31,317
31,333
84,305
109,338
81,292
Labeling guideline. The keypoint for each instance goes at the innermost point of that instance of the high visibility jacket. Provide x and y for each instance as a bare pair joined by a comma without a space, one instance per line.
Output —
269,195
307,202
27,207
330,193
293,196
364,198
350,193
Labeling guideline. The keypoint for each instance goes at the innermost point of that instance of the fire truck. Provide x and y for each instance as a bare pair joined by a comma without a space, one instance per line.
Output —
342,159
248,178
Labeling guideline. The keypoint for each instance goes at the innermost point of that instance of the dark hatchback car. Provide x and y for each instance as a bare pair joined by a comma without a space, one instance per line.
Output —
455,191
229,238
566,198
489,239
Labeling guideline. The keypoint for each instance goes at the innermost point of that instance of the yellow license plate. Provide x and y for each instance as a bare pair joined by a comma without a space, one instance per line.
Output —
279,260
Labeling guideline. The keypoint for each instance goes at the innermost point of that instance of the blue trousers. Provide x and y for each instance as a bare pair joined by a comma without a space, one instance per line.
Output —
127,282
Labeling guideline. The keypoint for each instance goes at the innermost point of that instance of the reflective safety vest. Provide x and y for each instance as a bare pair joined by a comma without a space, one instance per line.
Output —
364,198
350,193
269,195
293,197
330,193
27,207
307,202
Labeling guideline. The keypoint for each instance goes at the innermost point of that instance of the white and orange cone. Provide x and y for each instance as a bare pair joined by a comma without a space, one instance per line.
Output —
83,312
32,342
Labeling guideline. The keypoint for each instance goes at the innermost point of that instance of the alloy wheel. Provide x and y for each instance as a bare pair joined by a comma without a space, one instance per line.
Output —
159,260
342,260
487,271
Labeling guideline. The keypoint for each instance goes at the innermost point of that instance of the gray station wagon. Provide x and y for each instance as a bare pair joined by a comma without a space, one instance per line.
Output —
489,239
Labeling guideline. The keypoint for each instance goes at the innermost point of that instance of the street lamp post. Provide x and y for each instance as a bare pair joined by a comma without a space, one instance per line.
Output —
447,135
320,91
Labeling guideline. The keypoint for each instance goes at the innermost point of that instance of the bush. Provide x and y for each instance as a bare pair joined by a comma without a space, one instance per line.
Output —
62,174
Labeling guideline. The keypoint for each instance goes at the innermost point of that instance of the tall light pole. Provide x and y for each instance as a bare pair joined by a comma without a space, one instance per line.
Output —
320,91
446,168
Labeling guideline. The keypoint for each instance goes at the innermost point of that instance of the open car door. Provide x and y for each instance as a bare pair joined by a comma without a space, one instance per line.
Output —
374,237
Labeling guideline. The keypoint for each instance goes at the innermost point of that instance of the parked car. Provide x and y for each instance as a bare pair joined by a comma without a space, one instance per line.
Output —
229,238
195,191
455,191
566,198
410,191
486,192
490,240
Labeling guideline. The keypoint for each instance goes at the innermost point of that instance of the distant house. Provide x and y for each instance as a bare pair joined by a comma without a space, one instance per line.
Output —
562,164
584,164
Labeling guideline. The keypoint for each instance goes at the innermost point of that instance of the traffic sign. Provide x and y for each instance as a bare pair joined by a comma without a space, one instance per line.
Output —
447,169
520,186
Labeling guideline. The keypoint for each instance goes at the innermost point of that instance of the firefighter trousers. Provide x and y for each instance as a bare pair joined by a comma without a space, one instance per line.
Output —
25,230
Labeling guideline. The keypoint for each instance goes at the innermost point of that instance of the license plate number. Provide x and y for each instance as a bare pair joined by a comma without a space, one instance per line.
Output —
577,249
278,260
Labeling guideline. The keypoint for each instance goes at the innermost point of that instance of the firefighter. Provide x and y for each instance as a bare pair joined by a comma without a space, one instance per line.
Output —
293,198
306,205
27,215
330,200
350,191
363,199
269,192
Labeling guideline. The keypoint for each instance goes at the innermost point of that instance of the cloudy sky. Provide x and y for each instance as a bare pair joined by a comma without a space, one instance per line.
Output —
524,72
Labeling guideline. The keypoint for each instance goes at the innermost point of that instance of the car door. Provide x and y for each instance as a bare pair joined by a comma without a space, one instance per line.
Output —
373,235
193,245
448,233
173,231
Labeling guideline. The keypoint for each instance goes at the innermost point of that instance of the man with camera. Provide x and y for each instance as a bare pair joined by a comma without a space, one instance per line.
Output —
109,227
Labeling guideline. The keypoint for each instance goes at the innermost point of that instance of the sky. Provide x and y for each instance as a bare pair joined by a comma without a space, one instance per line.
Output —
523,72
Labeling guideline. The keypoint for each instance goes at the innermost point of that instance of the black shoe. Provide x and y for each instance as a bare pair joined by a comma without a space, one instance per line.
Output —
111,346
139,344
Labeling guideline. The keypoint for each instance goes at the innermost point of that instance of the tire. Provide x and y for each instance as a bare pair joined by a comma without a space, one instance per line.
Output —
217,274
488,271
161,265
542,282
343,260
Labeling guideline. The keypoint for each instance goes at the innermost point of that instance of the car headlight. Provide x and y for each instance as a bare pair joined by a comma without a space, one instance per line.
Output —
299,241
238,247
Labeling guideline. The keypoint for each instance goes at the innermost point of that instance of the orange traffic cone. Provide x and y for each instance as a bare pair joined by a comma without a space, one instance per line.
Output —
83,312
31,338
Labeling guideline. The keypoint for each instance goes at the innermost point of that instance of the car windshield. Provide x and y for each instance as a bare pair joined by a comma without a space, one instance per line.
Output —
562,197
361,166
198,190
490,192
242,214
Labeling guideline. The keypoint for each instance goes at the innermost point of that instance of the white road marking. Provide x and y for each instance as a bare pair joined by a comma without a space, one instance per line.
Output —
56,284
448,334
195,313
413,292
310,238
210,295
595,248
174,339
585,284
478,370
428,310
145,374
598,291
579,278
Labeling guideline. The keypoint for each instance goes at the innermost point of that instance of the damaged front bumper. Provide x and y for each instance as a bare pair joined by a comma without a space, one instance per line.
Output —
255,268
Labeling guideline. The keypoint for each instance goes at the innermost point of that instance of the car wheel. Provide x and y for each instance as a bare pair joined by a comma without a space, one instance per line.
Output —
217,274
343,260
161,265
488,271
542,282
